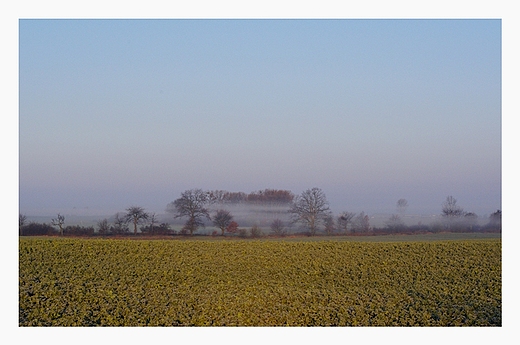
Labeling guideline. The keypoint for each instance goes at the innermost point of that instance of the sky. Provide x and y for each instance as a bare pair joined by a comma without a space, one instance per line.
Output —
114,113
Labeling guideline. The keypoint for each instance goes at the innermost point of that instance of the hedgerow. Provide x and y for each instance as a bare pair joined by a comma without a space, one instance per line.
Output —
99,282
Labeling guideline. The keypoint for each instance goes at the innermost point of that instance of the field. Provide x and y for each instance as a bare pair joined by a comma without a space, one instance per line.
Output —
291,282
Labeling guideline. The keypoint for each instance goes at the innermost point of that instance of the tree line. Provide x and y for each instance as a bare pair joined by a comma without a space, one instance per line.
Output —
309,212
266,196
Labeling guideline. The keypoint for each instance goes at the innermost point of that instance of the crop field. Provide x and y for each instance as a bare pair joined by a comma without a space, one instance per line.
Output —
100,282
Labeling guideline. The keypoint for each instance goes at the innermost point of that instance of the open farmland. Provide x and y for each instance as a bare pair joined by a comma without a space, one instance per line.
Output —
99,282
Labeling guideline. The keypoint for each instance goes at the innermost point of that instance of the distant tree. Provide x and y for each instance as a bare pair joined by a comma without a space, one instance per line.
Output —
278,227
271,196
310,208
222,219
361,223
470,220
402,205
216,196
395,224
365,224
135,214
103,227
22,218
59,221
267,196
344,219
495,220
451,211
330,225
191,204
152,219
120,224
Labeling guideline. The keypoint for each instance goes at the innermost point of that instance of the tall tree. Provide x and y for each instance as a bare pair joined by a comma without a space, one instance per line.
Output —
191,204
135,214
310,209
222,219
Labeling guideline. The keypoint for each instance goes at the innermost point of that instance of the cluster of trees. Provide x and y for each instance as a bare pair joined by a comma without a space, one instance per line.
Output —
310,211
456,219
266,196
121,224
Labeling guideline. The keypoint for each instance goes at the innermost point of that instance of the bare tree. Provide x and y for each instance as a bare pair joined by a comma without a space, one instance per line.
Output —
278,227
344,219
191,204
135,214
22,218
103,227
361,223
120,224
222,219
152,219
310,208
59,221
451,211
256,231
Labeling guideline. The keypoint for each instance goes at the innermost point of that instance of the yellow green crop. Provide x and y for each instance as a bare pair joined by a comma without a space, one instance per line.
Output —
78,282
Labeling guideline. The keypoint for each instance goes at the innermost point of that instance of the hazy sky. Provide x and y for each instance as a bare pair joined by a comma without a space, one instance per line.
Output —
114,113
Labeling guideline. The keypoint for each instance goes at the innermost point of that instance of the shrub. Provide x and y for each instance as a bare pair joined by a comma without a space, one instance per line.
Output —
232,227
103,227
77,230
35,229
278,227
255,231
161,229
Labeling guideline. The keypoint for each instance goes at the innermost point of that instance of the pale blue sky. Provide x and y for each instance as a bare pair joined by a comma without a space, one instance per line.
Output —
116,113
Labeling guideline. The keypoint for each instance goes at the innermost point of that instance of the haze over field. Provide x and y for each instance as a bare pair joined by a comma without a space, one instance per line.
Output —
115,113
